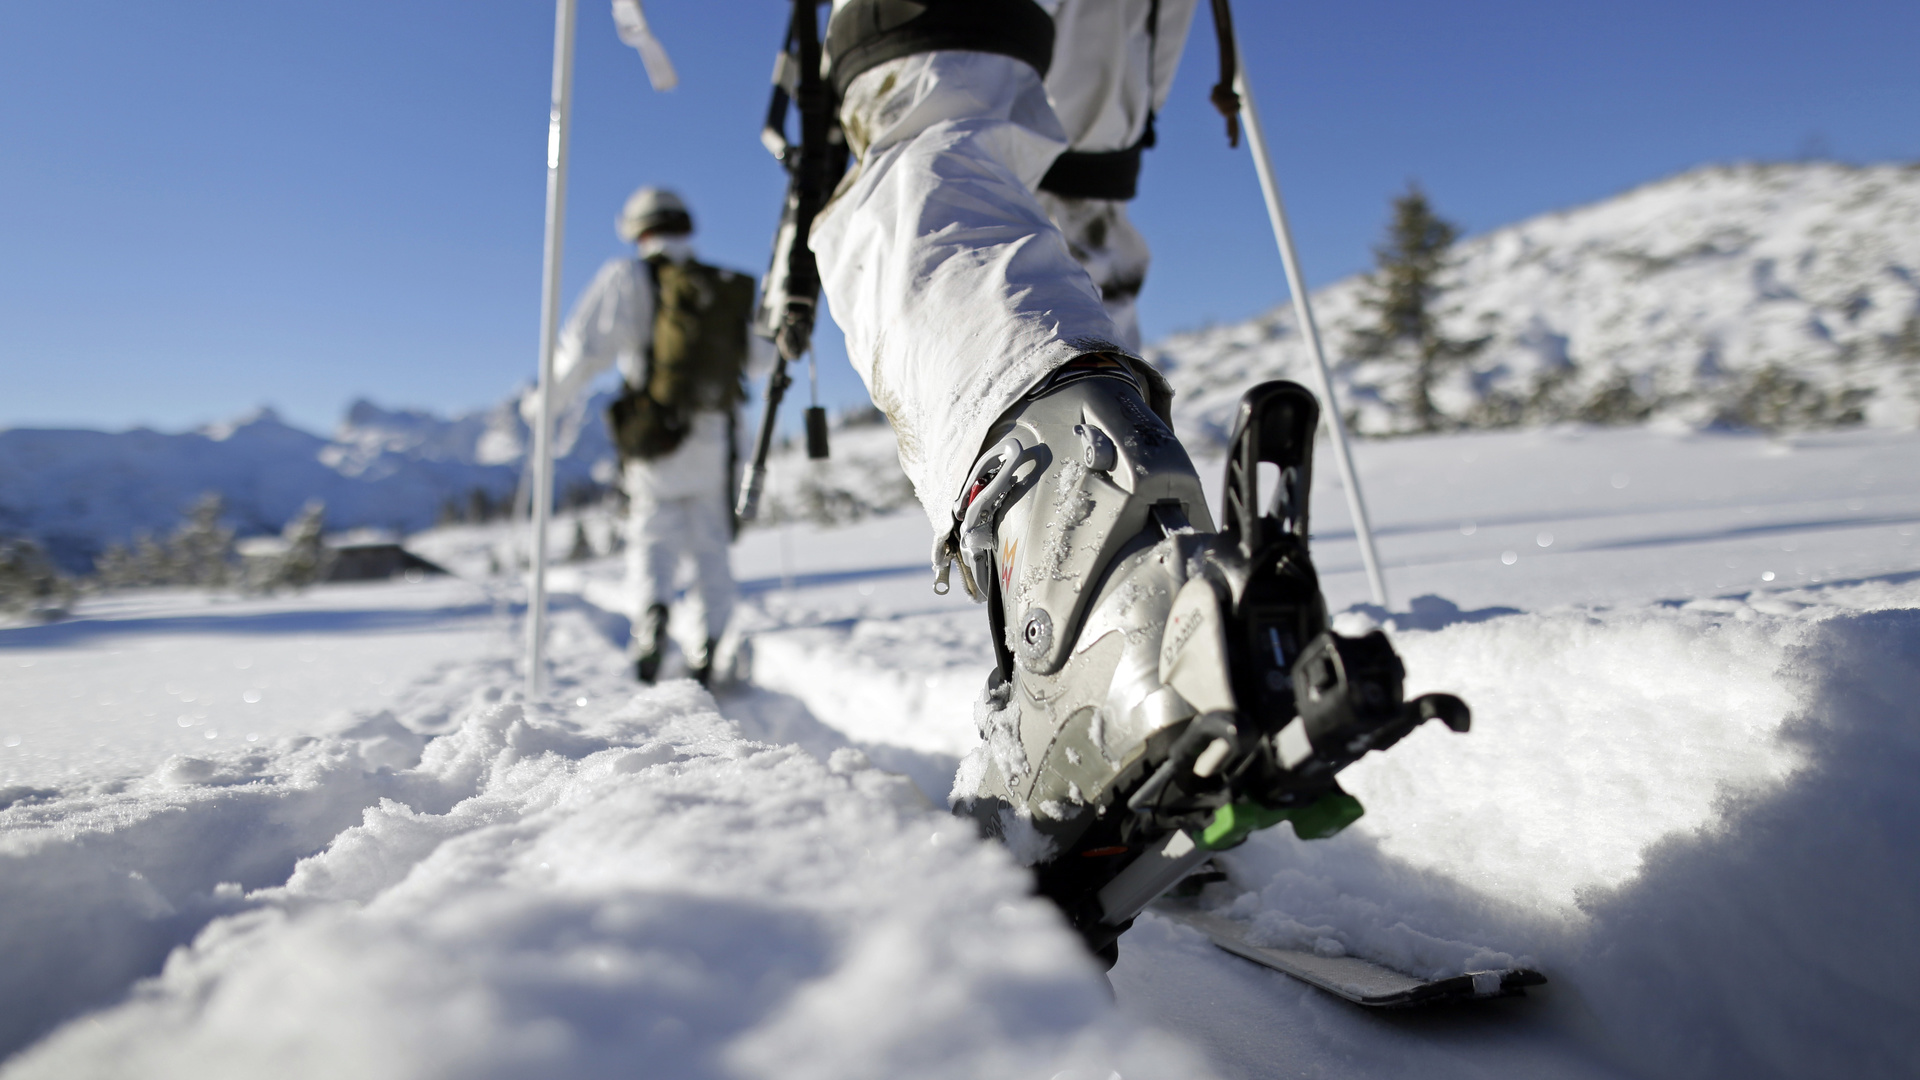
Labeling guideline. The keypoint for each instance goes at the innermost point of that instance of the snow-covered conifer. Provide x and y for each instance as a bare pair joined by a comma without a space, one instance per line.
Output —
28,581
307,556
1403,293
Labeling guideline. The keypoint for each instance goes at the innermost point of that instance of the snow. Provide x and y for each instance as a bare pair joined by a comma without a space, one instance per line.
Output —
1686,797
1698,820
138,677
564,890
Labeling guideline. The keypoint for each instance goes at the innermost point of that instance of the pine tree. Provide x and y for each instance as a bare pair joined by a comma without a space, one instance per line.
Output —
202,548
28,581
582,547
116,567
1404,293
200,553
307,558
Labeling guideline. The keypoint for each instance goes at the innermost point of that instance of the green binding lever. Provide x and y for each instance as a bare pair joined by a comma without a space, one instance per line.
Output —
1317,820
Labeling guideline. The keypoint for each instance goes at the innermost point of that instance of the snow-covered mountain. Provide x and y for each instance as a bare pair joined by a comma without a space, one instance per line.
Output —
1775,296
76,492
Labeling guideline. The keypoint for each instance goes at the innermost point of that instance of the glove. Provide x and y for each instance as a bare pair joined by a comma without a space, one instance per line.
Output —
794,336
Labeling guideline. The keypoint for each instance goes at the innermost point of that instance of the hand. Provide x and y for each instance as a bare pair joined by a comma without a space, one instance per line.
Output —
795,333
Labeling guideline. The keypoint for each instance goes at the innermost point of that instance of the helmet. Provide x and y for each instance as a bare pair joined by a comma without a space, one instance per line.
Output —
652,209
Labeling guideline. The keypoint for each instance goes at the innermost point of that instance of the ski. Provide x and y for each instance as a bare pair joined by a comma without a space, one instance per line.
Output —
1362,982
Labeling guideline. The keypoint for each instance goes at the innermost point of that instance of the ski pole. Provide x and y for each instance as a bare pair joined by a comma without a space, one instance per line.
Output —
1303,311
542,493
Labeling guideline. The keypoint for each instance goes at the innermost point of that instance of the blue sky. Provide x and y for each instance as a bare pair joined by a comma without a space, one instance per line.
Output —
206,207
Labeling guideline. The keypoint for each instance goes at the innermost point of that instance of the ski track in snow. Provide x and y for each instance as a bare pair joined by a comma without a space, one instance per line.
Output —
1687,797
609,879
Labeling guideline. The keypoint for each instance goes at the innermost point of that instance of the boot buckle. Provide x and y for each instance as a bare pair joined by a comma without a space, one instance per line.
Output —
987,485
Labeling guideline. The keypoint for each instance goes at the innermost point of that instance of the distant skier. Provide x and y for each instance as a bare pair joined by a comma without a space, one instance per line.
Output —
1146,706
677,330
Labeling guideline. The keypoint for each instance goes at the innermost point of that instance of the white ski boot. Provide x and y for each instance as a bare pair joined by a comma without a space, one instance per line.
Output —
1162,689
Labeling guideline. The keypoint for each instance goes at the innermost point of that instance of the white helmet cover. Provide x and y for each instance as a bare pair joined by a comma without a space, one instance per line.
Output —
652,209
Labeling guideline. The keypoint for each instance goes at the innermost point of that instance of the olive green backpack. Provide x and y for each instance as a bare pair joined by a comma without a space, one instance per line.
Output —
697,359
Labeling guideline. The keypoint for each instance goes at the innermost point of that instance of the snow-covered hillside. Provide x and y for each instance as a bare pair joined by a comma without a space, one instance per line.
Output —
1776,296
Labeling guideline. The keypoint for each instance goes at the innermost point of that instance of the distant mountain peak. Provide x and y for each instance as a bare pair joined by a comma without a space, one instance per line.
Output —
259,418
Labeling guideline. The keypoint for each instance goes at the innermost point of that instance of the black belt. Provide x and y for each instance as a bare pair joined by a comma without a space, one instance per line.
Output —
1098,174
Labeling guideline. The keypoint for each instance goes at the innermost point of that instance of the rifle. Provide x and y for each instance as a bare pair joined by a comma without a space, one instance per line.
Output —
790,292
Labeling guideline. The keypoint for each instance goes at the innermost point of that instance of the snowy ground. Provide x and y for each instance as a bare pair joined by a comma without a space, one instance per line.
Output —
1687,797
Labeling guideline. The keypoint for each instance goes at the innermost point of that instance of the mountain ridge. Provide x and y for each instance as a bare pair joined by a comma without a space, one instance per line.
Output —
76,491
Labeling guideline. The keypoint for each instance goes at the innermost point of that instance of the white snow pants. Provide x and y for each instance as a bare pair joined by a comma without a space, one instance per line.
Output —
1104,242
952,279
955,292
679,510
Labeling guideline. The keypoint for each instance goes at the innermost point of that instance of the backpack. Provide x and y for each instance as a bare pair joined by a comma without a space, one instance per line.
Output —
696,361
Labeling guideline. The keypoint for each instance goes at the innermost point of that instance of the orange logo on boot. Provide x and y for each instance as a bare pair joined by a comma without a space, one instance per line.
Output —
1007,551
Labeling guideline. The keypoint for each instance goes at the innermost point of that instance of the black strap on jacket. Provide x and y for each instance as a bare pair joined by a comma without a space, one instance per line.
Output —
1098,174
867,33
652,266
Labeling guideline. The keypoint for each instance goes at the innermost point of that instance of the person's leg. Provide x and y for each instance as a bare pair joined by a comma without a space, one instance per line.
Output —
1110,72
708,526
972,318
653,555
956,292
1103,240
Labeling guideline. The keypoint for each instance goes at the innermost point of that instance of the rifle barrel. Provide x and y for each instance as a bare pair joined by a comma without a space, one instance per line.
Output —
755,479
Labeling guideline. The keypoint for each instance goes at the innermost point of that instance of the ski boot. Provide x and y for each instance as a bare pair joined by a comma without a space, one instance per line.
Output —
702,669
650,643
1161,689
